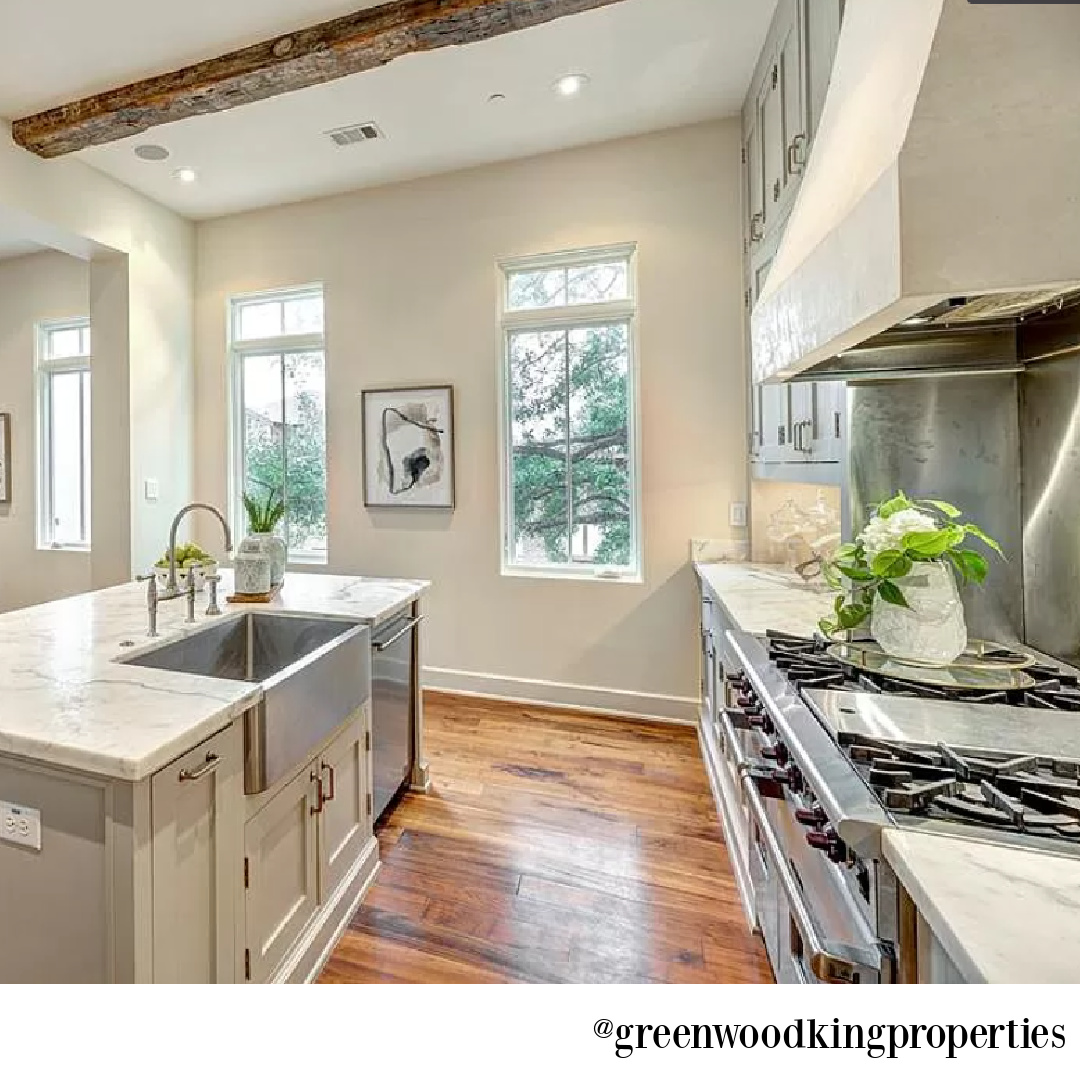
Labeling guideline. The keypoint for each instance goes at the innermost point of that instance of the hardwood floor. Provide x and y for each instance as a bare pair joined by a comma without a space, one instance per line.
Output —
553,847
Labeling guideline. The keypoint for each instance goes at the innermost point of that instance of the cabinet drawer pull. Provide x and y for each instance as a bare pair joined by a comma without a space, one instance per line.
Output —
205,769
332,793
757,227
796,154
320,797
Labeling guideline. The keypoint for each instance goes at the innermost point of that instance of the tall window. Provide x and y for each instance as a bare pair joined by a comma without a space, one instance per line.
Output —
63,401
279,412
571,503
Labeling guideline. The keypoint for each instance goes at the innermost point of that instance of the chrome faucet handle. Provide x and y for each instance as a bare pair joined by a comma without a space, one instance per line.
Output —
191,595
151,601
212,584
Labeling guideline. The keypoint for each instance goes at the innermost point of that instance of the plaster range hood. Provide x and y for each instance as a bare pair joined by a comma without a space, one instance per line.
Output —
940,208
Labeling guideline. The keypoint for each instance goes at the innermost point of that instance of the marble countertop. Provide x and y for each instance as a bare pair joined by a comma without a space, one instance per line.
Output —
761,597
1002,914
64,700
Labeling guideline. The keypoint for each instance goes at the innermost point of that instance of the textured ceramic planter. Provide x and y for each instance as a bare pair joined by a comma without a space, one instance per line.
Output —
251,570
273,547
932,630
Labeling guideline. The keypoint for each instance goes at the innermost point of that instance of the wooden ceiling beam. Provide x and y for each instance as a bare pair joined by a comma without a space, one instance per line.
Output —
358,42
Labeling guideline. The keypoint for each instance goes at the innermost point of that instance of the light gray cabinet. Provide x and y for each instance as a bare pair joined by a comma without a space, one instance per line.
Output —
303,843
281,873
801,423
195,807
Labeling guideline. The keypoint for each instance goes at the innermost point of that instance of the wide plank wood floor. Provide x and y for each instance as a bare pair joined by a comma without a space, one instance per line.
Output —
553,847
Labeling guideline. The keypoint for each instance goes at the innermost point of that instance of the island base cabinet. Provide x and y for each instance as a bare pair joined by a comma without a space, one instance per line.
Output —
345,822
196,811
281,862
309,852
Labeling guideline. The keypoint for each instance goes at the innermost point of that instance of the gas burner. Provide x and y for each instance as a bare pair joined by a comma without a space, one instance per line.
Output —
1036,796
808,666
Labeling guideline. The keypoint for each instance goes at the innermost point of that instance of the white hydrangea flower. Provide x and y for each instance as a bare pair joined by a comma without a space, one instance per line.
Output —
884,534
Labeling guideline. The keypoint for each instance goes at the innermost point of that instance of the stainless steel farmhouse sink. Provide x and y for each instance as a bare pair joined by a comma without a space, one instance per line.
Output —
314,673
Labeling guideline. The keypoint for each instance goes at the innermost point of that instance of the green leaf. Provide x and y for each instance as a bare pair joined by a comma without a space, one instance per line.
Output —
852,615
828,628
974,530
894,505
856,573
890,592
932,545
972,565
947,509
845,551
891,564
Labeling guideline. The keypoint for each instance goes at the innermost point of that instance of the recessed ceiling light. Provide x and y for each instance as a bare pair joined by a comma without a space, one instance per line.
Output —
571,85
186,175
151,152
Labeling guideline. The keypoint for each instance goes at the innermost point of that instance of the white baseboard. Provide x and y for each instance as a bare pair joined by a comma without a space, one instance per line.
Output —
596,699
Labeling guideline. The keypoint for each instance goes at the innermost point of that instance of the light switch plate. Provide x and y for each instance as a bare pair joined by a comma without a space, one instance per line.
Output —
150,488
737,515
20,825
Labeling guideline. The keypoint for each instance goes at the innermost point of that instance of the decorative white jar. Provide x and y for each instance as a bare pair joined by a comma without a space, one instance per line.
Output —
251,570
273,547
932,630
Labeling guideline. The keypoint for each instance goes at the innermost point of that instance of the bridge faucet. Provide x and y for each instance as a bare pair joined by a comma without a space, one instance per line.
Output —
172,589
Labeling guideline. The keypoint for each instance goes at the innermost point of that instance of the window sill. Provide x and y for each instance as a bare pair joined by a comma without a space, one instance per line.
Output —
71,549
629,577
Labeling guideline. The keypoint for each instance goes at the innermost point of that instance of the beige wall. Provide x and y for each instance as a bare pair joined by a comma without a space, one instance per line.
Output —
33,288
411,291
143,425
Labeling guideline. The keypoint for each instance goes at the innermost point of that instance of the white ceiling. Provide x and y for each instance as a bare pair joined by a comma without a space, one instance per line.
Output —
653,64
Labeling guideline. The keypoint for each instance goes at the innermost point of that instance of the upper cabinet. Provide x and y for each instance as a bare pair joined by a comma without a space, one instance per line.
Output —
799,424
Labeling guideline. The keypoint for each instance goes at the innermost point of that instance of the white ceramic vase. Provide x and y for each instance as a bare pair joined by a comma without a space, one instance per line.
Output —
932,631
273,547
251,570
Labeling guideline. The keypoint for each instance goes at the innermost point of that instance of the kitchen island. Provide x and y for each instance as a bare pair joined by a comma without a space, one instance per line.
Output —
132,849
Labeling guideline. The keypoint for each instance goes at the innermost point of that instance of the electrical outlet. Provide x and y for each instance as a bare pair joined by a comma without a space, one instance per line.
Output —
20,825
737,515
151,490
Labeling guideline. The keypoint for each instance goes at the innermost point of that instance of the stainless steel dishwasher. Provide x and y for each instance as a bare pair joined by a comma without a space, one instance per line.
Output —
393,701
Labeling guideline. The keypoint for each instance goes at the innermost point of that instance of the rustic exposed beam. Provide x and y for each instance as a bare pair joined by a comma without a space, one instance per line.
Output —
362,41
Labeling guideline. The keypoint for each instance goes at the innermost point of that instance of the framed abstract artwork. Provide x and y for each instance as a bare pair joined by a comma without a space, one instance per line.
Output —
5,457
408,440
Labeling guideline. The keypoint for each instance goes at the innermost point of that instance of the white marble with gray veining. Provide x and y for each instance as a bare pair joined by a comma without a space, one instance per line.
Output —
1003,915
761,597
64,700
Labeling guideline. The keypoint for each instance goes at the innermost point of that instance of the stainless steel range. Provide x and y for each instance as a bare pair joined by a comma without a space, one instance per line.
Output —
817,749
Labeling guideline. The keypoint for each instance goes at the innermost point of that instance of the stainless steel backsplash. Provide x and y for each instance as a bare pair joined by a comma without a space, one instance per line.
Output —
959,439
1050,433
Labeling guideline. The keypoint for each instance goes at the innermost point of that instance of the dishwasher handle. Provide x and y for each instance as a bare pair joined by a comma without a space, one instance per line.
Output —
382,646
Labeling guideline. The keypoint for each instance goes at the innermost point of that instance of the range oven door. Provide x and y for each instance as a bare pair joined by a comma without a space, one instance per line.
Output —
811,931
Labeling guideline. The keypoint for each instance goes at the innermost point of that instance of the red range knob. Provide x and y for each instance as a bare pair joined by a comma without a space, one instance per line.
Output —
813,817
829,842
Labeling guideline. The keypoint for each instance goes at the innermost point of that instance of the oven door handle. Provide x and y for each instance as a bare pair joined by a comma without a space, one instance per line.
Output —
731,740
829,962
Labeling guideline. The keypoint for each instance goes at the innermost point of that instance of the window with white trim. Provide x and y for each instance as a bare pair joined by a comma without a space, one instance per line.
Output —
63,411
278,430
571,499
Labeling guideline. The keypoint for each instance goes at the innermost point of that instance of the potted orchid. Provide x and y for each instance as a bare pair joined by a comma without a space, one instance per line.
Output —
900,573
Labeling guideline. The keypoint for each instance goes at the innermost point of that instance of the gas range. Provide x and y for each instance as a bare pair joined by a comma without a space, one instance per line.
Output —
821,756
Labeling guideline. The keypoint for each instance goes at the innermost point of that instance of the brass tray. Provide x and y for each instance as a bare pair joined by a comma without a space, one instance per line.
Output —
975,669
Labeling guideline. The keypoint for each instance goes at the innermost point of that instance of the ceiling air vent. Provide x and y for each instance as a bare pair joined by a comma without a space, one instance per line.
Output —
355,133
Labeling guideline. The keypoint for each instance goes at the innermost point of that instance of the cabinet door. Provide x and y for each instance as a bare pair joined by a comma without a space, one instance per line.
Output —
830,403
774,422
197,821
795,142
770,112
822,38
754,183
282,868
345,821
